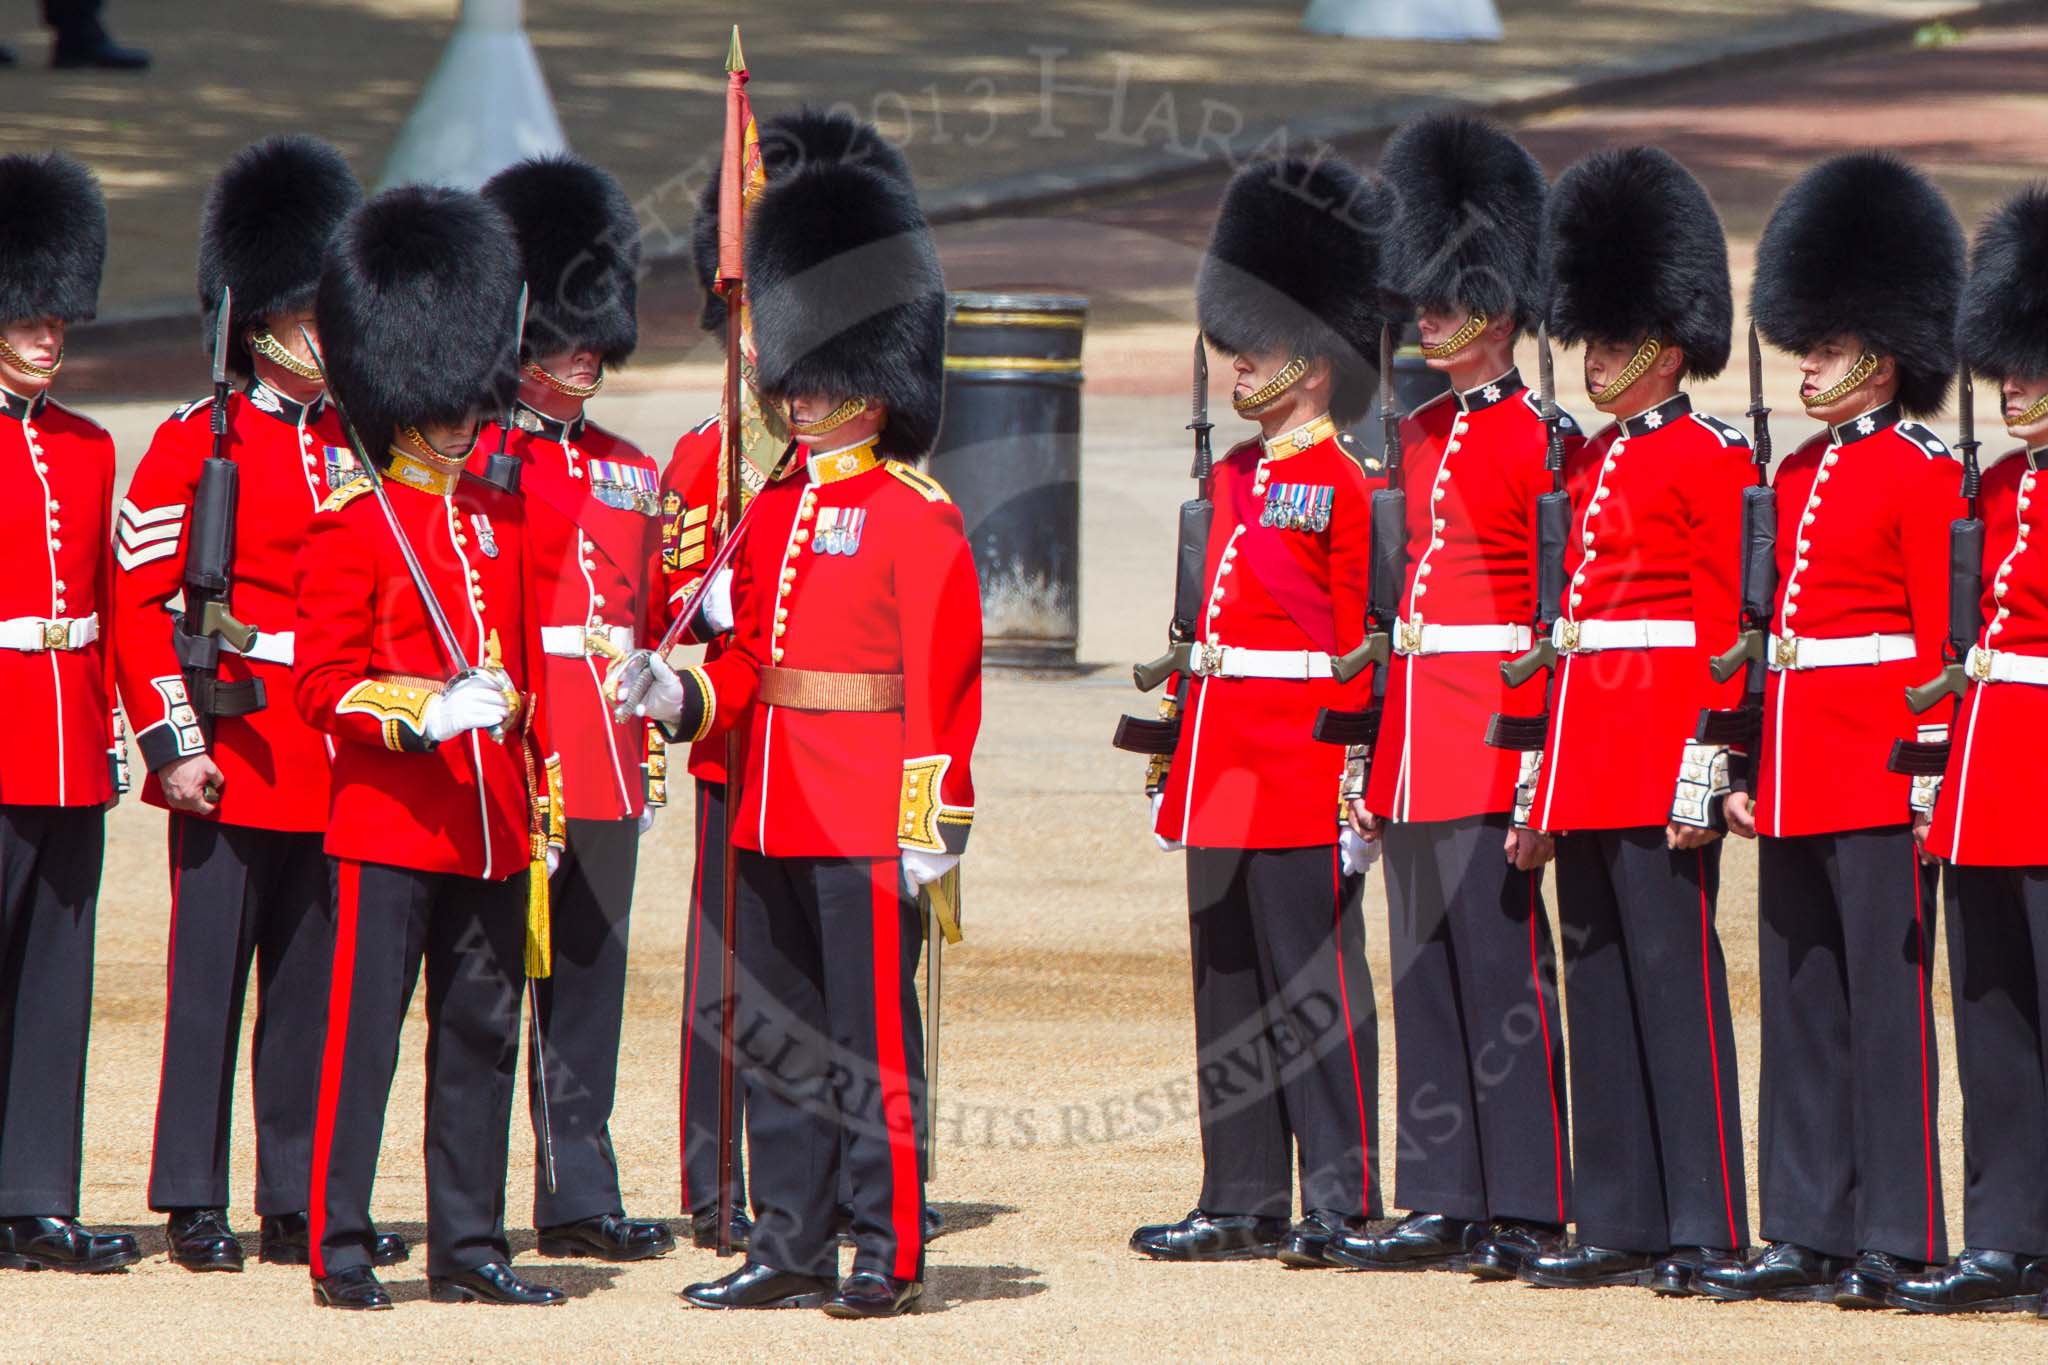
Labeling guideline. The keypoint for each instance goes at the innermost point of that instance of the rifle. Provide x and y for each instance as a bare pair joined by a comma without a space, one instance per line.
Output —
1965,597
1387,531
1157,738
1744,725
501,471
206,621
1553,529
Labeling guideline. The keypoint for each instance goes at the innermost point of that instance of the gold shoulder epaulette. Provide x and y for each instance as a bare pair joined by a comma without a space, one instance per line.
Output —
344,495
924,484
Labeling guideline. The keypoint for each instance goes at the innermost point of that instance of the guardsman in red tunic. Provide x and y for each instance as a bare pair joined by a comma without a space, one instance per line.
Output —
241,772
693,506
1290,290
591,518
1639,273
1482,1158
443,821
1987,818
61,768
855,668
1858,271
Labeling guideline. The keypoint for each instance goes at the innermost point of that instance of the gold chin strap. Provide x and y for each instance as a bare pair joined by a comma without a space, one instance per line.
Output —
1288,376
561,385
27,366
831,421
1639,365
1458,340
273,350
2031,415
1865,367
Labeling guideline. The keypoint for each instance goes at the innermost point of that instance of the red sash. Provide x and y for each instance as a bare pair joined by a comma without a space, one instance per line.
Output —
1306,602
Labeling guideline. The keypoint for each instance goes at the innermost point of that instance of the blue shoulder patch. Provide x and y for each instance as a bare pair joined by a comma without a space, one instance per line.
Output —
1923,437
1727,433
196,405
1566,423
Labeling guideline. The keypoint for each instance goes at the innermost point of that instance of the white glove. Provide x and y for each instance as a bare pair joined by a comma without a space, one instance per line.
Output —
647,817
1355,852
662,699
717,611
475,701
921,869
1166,845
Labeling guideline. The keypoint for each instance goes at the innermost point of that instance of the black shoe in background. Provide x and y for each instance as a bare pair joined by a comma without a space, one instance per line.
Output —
1784,1272
63,1244
1206,1237
1509,1243
1976,1281
1308,1240
1421,1241
609,1237
1868,1283
866,1294
492,1282
1673,1276
1586,1267
356,1289
200,1240
704,1230
755,1285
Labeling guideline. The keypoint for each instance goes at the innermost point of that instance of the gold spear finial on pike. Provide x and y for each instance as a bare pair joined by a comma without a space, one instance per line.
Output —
735,60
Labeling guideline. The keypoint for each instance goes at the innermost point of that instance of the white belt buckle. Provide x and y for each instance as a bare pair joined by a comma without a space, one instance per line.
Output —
1567,635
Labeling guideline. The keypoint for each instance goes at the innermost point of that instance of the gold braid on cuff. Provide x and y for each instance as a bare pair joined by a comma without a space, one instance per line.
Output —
27,366
534,370
831,421
1852,381
1288,376
273,350
1458,340
1639,365
2031,415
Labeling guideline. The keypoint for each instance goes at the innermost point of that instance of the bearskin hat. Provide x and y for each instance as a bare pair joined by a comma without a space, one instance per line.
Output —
1864,244
53,238
265,228
1635,249
417,304
847,297
788,141
2004,326
1293,265
1469,206
580,240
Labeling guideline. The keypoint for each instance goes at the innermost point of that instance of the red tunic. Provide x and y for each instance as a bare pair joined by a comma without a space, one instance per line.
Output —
1988,813
1473,467
57,480
692,513
460,807
592,509
854,572
289,458
1863,514
1246,772
1656,536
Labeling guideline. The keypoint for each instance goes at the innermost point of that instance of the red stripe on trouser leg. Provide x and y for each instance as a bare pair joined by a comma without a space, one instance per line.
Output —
170,979
1926,1101
1549,1063
893,1070
334,1052
696,932
1350,1033
1713,1044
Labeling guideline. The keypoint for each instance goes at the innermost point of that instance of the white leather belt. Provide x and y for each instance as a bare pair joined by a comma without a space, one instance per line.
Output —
269,647
1416,637
1798,652
35,634
1223,661
1580,637
577,642
2000,665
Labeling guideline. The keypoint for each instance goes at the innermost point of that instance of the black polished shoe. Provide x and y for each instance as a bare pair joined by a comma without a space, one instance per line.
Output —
106,55
1673,1275
1586,1267
1784,1272
1421,1241
867,1294
356,1288
1208,1237
609,1237
704,1230
1509,1243
491,1282
1307,1240
1868,1282
285,1239
1974,1282
200,1239
755,1285
63,1244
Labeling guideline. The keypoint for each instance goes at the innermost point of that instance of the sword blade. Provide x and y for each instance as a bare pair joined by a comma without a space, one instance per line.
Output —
1386,367
540,1085
936,938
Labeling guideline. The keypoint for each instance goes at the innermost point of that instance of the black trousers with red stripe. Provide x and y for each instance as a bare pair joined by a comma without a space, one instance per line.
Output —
241,897
1656,1117
829,1033
703,1013
1998,972
1848,1136
1286,1034
49,889
582,1008
470,936
1478,1046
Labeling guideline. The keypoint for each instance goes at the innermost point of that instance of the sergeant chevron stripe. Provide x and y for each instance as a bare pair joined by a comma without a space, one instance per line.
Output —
144,534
